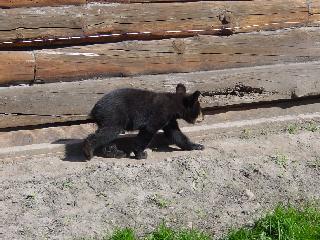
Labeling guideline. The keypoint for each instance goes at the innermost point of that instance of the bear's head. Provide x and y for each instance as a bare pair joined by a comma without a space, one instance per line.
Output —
192,112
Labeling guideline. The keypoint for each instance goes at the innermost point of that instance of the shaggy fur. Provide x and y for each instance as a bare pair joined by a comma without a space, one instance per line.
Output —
146,111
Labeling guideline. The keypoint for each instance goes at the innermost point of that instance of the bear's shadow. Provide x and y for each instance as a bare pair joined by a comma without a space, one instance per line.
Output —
73,147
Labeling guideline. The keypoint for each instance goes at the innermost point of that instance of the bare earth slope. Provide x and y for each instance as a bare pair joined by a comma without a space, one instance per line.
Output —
240,176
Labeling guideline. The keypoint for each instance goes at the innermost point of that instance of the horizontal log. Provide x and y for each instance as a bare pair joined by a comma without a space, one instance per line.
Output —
161,56
38,3
16,67
14,120
45,135
42,3
314,13
158,18
23,27
156,1
71,101
177,55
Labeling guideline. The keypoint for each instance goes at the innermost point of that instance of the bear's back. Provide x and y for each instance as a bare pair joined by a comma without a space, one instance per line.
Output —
127,104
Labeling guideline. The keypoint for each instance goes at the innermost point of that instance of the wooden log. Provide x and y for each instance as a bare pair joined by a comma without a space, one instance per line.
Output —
38,3
71,101
156,1
164,56
42,3
275,117
207,16
177,55
16,67
45,135
92,23
314,12
30,23
15,120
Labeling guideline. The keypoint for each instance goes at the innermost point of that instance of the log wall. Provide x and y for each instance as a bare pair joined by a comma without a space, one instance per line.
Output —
42,3
131,58
47,26
267,49
72,101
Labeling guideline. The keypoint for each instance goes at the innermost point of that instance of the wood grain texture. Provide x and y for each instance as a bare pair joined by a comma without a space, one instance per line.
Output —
157,18
155,1
37,3
16,67
160,19
314,12
14,120
29,23
70,101
45,135
42,3
177,55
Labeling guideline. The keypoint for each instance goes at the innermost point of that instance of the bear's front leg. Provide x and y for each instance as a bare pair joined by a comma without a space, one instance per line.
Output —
173,132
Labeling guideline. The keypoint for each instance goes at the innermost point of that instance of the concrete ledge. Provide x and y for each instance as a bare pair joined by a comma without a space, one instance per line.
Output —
72,148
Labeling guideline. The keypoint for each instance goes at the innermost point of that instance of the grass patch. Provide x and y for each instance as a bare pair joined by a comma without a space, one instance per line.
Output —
159,201
165,233
309,126
161,233
312,127
122,234
284,223
280,159
292,128
245,134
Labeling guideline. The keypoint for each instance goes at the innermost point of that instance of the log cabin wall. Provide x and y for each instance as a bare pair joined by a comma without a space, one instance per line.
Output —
68,53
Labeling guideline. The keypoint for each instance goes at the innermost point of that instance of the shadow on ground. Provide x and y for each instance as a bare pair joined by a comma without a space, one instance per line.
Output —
73,147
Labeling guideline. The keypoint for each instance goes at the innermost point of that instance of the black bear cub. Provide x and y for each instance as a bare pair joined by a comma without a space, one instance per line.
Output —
146,111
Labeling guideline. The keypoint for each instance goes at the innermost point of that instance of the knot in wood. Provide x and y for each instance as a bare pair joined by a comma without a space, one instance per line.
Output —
225,18
179,46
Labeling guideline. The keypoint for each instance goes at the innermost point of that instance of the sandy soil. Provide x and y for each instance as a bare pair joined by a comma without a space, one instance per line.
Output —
240,176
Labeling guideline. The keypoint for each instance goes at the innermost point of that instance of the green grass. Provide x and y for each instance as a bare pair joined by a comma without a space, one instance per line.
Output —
159,201
312,127
284,223
122,234
309,126
292,128
161,233
246,134
280,159
165,233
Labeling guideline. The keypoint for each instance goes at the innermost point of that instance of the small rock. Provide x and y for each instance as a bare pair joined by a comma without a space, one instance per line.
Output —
181,191
249,194
169,159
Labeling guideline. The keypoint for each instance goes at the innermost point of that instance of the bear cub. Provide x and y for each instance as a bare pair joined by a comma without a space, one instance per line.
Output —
133,109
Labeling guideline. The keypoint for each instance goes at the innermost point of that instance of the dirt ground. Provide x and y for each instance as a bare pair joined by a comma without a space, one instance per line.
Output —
242,174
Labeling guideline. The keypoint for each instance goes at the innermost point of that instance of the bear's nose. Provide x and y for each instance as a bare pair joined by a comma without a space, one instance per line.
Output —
200,118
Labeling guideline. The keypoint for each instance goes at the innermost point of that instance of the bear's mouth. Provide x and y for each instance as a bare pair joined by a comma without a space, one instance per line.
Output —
200,118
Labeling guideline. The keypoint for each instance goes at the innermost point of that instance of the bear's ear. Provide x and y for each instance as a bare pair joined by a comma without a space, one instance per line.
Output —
181,89
195,96
190,100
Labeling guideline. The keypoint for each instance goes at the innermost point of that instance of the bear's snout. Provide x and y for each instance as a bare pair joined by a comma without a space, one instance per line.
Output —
200,117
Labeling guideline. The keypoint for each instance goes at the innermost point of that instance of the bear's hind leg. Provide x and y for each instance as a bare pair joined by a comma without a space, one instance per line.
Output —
102,137
142,141
112,151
